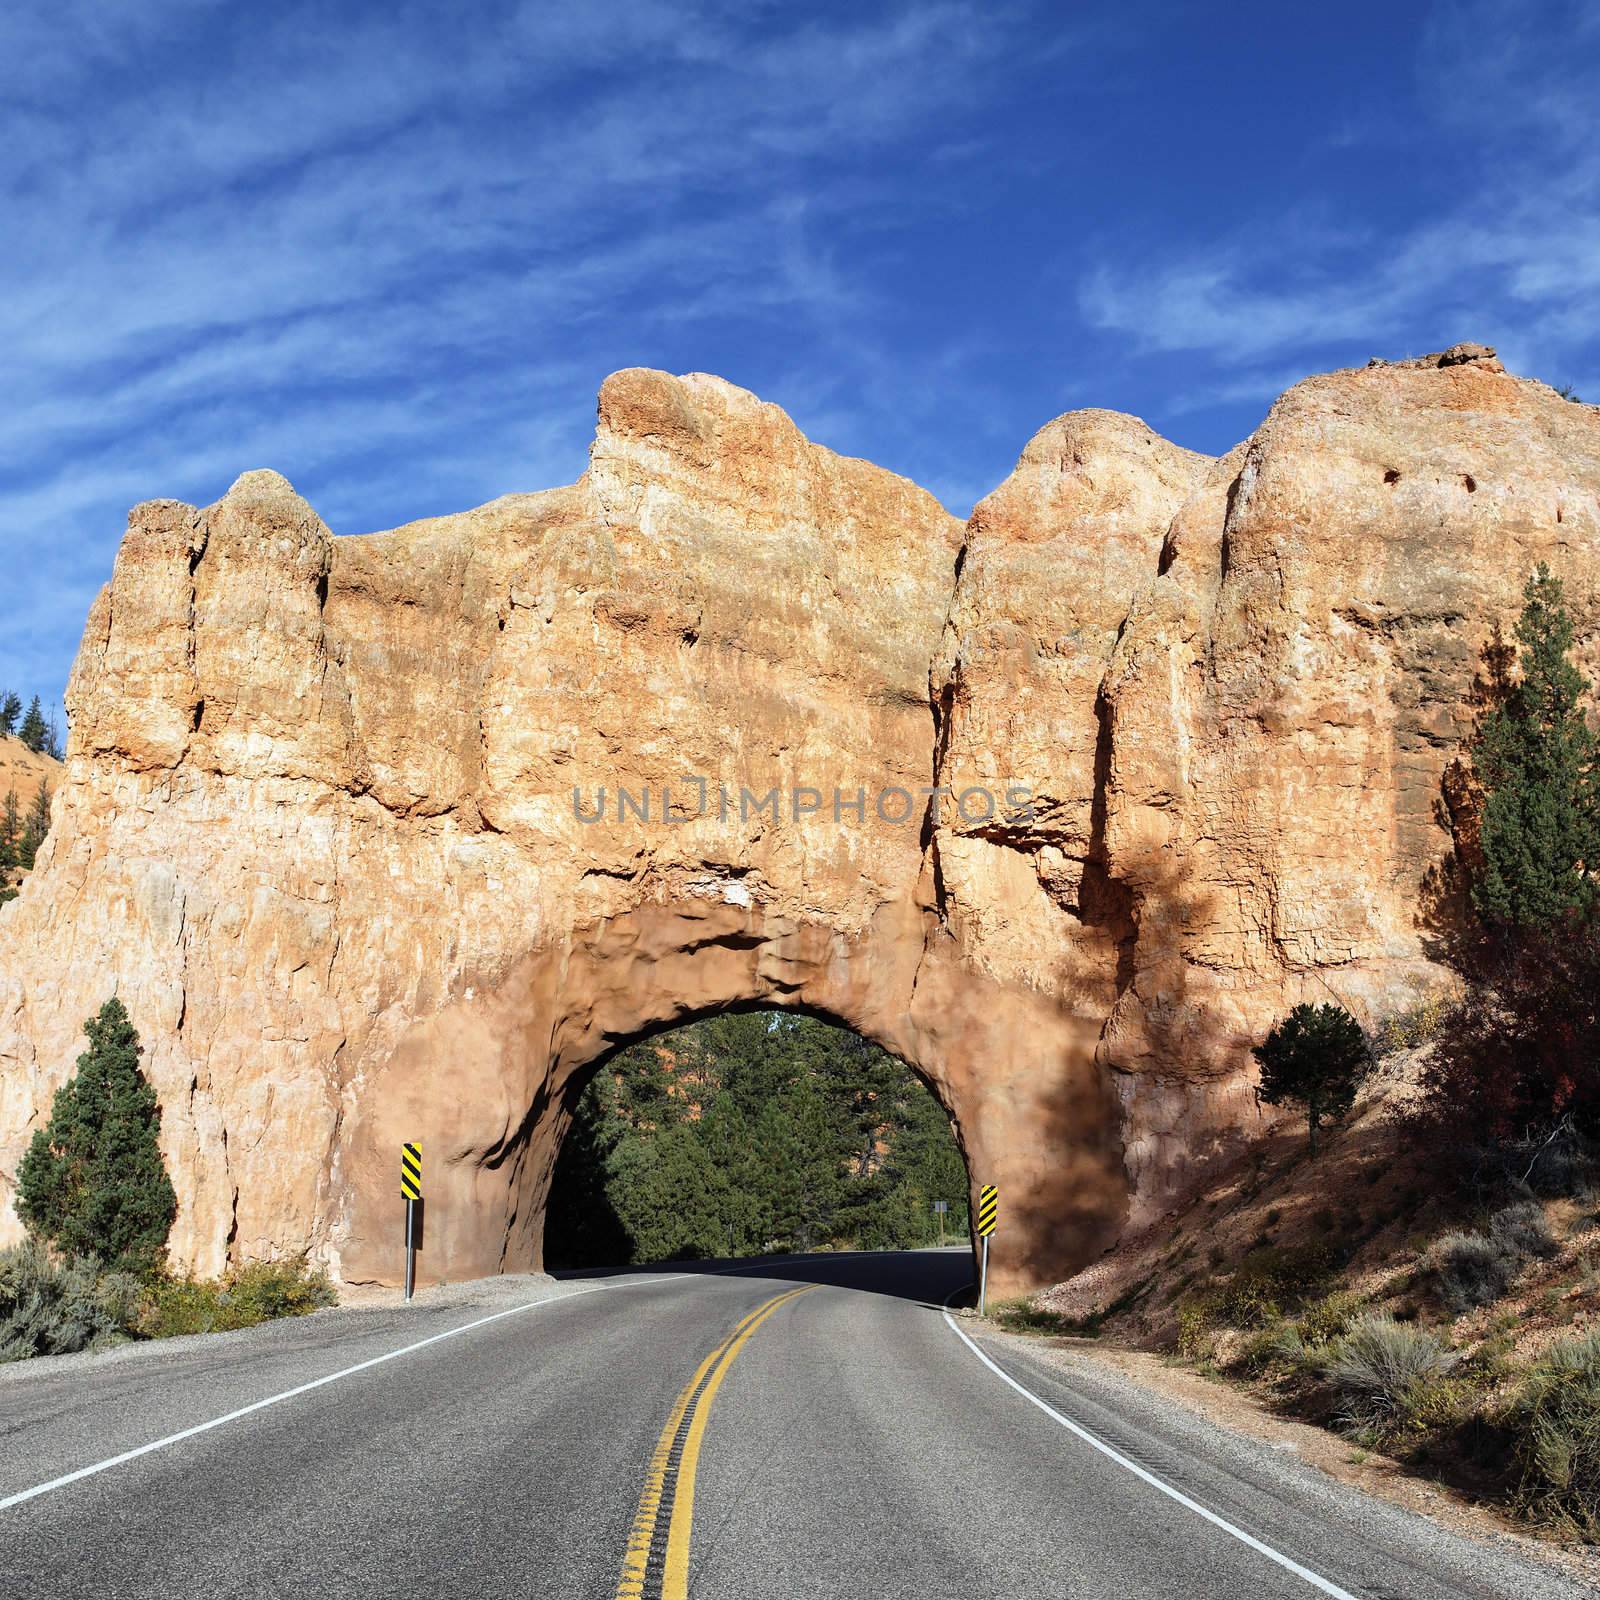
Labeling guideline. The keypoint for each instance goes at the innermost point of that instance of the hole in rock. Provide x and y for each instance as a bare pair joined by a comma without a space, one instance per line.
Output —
752,1133
1391,476
1470,481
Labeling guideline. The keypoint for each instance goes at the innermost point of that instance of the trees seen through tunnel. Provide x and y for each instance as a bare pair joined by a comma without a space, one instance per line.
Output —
748,1133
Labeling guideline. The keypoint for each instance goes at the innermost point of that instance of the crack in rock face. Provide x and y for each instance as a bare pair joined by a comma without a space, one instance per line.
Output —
396,836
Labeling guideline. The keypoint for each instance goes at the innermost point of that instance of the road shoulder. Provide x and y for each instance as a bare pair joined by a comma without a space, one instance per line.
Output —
1145,1376
360,1311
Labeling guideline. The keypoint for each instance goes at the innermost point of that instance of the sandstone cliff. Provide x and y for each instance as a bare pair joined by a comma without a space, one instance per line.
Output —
324,823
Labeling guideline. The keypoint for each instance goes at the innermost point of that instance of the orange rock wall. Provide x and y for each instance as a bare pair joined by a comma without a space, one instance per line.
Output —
318,823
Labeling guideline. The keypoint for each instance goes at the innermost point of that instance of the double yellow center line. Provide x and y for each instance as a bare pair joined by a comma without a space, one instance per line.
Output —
657,1562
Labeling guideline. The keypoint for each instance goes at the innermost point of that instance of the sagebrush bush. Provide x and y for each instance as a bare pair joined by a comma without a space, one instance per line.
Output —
1471,1269
52,1305
1476,1269
1555,1420
1525,1229
1388,1373
257,1292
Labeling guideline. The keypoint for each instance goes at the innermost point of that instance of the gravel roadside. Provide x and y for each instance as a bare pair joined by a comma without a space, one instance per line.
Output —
1133,1379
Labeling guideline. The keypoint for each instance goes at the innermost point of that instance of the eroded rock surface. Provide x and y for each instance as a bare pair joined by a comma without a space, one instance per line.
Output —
332,822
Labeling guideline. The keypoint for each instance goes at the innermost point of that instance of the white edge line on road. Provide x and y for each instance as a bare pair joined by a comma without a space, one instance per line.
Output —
1121,1460
277,1399
347,1372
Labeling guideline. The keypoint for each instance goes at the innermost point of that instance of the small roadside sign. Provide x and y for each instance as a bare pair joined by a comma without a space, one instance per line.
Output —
411,1190
988,1221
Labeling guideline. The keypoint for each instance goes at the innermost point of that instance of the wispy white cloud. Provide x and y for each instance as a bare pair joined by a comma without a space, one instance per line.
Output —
1510,254
393,253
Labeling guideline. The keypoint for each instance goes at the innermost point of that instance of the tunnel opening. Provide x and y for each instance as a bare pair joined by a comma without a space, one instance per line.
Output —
752,1133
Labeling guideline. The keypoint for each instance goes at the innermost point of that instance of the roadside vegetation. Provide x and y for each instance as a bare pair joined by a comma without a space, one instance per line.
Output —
94,1194
1419,1269
747,1134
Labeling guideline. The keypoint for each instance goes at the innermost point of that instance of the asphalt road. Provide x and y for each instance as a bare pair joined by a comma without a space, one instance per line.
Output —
815,1427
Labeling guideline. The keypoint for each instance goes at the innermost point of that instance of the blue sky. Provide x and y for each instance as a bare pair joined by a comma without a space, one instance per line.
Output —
392,250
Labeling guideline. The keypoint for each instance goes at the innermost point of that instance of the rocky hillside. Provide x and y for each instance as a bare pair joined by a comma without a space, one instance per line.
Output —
24,770
1426,1303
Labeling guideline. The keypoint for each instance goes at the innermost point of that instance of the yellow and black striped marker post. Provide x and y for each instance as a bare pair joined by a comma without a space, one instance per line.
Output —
656,1566
411,1189
988,1221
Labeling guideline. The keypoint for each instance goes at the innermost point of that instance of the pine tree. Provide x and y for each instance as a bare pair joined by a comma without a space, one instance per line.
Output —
34,829
1317,1056
35,730
750,1132
10,711
10,832
1536,758
93,1181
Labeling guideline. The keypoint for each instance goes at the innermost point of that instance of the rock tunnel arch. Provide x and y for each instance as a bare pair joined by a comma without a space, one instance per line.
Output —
328,827
534,1042
317,823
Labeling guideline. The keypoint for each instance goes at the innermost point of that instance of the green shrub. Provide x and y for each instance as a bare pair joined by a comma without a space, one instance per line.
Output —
54,1306
93,1181
1329,1318
1194,1329
251,1294
1417,1025
1024,1316
1271,1281
1301,1344
287,1288
1555,1420
1268,1284
1388,1373
1278,1346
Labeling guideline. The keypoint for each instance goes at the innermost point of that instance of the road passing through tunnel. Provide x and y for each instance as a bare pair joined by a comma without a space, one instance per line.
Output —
812,1426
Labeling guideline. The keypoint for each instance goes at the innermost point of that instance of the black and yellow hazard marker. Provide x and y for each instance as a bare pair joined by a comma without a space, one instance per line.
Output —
656,1566
988,1221
411,1171
411,1189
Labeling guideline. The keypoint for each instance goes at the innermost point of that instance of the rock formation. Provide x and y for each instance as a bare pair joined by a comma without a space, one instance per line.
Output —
395,836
